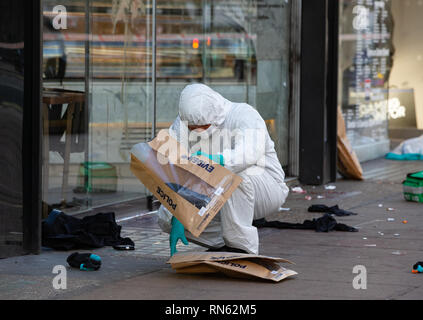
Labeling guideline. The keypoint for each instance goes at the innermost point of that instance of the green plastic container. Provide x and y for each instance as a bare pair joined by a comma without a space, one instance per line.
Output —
413,187
101,177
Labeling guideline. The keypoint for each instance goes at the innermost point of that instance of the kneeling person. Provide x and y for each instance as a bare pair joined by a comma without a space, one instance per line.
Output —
252,157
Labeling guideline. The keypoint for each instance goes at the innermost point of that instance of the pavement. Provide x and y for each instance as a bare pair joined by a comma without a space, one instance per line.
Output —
384,251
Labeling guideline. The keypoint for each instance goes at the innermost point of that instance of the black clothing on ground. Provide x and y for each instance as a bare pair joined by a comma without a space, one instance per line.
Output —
332,210
225,248
325,223
63,232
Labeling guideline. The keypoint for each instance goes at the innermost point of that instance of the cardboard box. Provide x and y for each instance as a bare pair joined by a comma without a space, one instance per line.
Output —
348,164
237,265
192,188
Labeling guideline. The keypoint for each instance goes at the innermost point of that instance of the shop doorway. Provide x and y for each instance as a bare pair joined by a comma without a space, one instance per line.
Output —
113,72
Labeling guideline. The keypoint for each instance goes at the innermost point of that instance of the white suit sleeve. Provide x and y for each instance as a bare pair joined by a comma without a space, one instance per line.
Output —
179,131
248,143
175,128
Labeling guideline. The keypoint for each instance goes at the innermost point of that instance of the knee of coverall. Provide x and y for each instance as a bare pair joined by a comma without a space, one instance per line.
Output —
237,216
269,195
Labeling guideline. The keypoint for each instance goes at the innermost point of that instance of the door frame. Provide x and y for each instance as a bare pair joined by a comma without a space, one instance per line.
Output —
31,144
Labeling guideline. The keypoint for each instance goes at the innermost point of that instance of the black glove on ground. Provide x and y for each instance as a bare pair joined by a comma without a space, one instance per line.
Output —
84,261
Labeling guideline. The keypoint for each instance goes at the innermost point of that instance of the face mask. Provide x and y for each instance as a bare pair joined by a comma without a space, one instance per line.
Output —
207,140
206,134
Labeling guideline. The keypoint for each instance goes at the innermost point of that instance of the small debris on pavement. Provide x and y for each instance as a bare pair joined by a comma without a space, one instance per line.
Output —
298,190
390,209
308,198
380,205
320,197
381,233
398,253
405,221
332,210
418,267
364,238
396,234
370,245
284,209
330,187
390,219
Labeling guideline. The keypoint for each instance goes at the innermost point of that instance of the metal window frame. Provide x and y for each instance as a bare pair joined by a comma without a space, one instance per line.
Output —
31,144
154,70
318,105
295,87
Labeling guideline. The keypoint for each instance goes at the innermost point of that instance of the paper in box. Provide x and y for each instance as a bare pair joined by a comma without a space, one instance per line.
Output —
236,265
192,188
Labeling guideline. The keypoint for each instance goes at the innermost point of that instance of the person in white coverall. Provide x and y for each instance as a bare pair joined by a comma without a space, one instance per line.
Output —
250,153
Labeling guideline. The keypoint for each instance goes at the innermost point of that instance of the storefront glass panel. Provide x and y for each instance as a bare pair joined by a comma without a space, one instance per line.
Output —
239,48
98,63
11,126
380,88
406,83
365,63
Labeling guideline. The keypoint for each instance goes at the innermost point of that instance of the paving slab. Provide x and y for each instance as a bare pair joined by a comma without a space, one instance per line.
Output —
324,261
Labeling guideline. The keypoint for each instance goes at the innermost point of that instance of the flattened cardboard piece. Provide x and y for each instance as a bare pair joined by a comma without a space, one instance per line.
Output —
348,163
240,269
193,257
233,265
192,192
197,269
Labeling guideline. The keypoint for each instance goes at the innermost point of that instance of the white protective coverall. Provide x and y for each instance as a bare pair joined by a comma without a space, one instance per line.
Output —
239,133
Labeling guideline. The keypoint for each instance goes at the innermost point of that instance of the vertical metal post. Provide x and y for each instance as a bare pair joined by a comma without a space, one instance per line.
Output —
295,79
31,140
87,87
318,105
153,74
202,42
248,60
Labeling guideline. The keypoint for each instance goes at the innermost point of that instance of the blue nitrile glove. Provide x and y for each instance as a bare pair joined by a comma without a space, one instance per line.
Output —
418,267
218,158
84,261
177,232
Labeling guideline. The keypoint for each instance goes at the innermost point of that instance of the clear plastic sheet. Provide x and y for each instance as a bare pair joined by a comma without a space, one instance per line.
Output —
187,185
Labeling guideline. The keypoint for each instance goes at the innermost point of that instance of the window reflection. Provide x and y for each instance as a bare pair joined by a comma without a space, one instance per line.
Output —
105,53
191,45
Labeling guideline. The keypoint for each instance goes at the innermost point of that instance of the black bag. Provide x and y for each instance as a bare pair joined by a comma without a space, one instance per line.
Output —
63,232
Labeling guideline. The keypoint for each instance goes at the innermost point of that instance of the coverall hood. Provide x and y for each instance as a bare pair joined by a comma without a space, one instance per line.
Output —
201,105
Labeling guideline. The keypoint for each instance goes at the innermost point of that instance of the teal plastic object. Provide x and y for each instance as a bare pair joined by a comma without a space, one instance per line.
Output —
92,257
177,233
404,157
218,158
